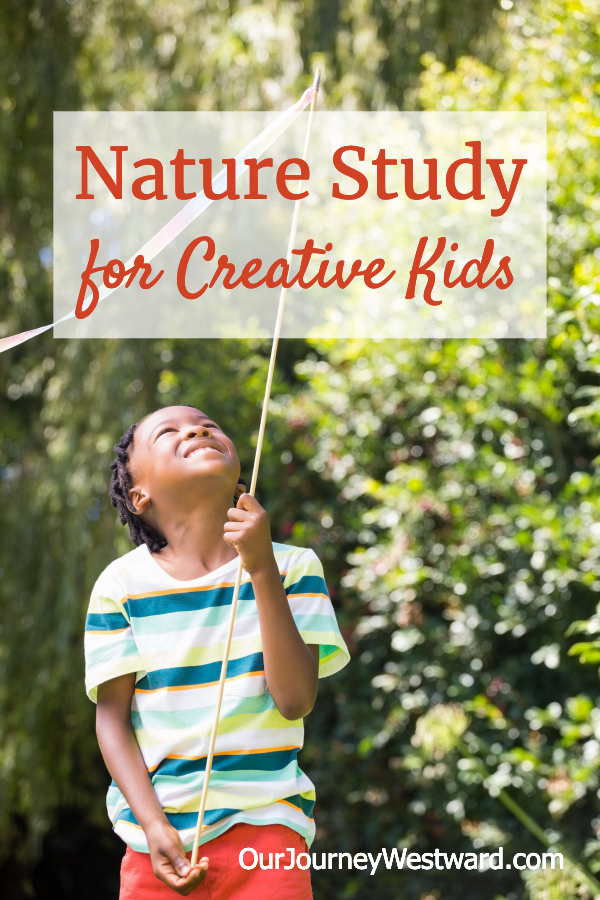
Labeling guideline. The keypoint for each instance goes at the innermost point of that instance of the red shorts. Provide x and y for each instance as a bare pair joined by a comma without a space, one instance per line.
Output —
226,878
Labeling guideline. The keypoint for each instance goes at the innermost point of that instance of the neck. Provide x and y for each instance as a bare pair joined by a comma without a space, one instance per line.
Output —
195,542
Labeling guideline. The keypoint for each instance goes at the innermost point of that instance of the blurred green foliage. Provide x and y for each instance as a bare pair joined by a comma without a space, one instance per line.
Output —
450,488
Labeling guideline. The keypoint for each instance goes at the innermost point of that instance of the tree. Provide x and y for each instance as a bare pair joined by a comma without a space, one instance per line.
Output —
467,509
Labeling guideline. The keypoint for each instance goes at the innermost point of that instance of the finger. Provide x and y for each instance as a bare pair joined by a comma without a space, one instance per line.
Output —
181,865
199,870
196,876
237,515
184,884
247,501
234,527
173,881
202,864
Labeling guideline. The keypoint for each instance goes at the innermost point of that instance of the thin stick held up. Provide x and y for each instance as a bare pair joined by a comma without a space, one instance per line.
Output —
261,433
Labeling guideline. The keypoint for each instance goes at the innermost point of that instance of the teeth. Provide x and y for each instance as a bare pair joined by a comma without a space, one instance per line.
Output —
202,450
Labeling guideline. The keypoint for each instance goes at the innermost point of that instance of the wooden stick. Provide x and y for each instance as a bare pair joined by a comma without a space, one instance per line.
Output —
261,433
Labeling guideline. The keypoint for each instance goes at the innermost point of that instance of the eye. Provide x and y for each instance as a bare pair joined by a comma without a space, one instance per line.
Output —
164,431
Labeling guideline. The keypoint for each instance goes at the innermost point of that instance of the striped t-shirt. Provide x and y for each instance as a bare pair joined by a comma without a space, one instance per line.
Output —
172,635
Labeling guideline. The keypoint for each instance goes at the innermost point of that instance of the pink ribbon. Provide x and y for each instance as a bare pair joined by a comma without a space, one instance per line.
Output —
188,213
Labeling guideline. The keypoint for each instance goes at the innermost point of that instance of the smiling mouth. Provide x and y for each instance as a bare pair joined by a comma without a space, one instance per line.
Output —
203,449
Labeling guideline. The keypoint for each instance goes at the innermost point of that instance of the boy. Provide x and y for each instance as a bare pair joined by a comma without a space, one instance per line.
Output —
154,643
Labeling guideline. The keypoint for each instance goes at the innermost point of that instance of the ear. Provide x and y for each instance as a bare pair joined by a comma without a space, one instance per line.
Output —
139,501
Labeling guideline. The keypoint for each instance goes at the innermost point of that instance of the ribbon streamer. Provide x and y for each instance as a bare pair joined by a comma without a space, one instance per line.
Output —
189,212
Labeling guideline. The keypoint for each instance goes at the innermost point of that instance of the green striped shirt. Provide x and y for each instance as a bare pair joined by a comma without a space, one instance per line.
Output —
172,635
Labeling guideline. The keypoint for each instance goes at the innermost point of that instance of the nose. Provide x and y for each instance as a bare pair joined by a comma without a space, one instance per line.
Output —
199,430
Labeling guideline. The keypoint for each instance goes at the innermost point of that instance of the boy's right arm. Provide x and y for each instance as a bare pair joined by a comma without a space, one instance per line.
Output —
125,763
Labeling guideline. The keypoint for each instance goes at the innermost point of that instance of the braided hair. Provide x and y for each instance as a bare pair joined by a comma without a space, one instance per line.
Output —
120,482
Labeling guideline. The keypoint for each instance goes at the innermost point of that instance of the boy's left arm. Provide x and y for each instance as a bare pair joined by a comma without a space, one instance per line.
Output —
291,666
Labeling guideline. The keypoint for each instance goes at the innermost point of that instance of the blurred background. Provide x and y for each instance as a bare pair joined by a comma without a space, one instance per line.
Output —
450,488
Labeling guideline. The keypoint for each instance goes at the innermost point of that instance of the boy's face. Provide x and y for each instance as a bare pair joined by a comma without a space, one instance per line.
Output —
179,454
